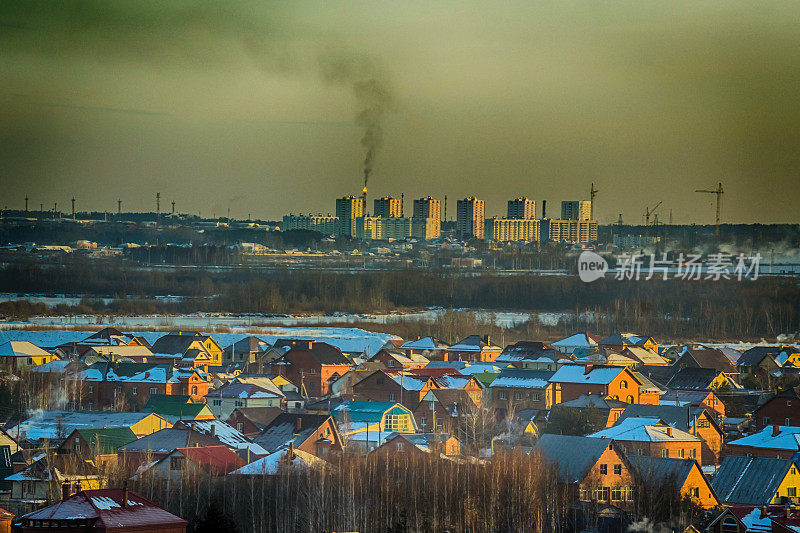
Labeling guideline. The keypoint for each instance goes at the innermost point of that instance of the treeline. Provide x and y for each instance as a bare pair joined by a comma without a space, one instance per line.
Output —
513,491
676,308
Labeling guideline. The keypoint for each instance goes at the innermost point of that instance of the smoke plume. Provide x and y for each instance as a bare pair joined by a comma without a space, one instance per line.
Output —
373,99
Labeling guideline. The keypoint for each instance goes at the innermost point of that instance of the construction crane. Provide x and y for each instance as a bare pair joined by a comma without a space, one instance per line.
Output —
718,191
649,211
592,193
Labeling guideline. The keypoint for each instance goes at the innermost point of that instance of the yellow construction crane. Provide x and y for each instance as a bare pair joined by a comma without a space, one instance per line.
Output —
649,211
719,192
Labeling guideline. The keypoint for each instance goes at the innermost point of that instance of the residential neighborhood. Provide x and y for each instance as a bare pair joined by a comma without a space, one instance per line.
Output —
615,417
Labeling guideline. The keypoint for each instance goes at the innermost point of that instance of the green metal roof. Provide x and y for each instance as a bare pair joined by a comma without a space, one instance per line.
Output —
107,440
486,378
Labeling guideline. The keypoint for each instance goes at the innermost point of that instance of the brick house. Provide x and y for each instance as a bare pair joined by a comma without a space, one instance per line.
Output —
317,435
618,383
251,421
313,366
694,420
397,359
772,441
651,437
783,409
685,474
520,389
473,348
593,469
444,410
419,445
187,348
98,446
707,399
129,385
401,387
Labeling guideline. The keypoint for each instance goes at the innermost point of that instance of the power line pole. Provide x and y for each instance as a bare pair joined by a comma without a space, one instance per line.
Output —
158,208
119,207
173,207
73,209
26,203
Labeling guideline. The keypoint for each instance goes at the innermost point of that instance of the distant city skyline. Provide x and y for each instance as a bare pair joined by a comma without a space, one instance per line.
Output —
271,109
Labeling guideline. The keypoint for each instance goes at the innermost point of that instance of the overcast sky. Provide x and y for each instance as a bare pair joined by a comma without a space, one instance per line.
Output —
255,106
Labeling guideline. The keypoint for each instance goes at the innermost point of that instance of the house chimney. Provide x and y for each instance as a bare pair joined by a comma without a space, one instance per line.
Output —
213,430
764,512
65,491
310,345
669,431
587,369
298,424
487,339
124,493
775,430
193,425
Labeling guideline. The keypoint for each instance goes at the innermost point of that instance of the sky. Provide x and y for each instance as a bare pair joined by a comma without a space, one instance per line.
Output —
267,108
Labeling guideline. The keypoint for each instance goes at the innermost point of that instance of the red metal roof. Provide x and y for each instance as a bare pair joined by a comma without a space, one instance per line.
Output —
213,459
106,507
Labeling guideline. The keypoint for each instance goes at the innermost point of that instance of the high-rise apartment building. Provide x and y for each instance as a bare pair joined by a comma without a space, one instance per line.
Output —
388,207
470,218
512,229
428,208
576,210
522,208
348,209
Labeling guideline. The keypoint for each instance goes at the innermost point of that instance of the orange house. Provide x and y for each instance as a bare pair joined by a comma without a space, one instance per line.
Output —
615,382
313,366
651,437
595,469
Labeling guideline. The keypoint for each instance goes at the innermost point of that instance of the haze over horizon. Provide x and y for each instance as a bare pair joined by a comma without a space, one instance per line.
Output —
270,108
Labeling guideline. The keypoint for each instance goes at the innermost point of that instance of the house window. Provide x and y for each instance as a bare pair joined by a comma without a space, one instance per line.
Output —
692,454
791,492
391,396
618,470
90,405
517,396
788,422
629,399
730,525
694,492
216,403
396,423
239,427
423,422
194,390
536,397
502,395
153,390
788,403
175,463
118,389
623,384
135,390
766,420
91,389
639,452
238,403
680,453
399,447
703,423
603,469
617,494
665,453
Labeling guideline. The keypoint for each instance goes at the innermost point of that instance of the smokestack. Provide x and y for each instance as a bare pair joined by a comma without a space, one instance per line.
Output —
544,209
445,208
401,205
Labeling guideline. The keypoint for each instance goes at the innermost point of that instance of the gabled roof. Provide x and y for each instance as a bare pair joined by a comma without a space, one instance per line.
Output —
272,463
574,456
175,407
289,428
107,440
644,356
176,343
166,440
528,351
226,434
259,416
424,343
621,339
523,379
709,358
248,391
21,349
749,480
248,344
473,343
787,438
212,459
365,411
453,402
658,374
51,424
596,401
597,375
678,417
693,378
322,352
756,354
109,509
662,470
643,429
578,340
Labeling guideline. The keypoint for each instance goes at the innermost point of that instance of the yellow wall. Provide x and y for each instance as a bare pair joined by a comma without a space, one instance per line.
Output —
792,479
150,424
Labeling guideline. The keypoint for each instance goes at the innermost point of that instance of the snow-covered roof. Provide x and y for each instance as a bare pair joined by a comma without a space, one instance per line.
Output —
788,438
58,424
270,464
21,349
425,343
578,340
577,374
228,435
644,430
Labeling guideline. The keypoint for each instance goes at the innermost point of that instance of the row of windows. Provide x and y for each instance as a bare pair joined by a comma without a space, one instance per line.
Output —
786,421
534,396
617,469
608,494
